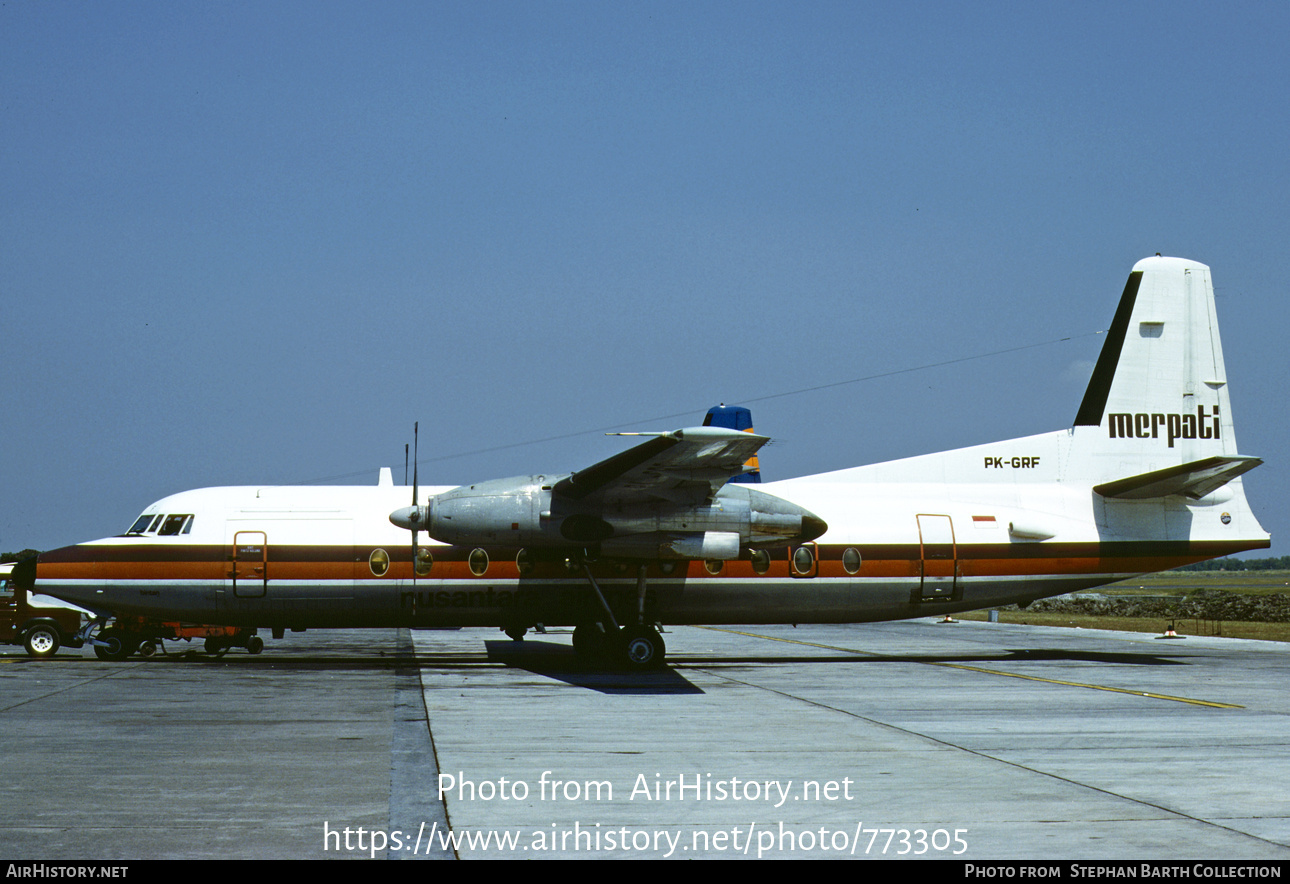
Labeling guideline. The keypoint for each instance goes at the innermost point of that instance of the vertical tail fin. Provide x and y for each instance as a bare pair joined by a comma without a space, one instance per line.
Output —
735,417
1158,394
1154,432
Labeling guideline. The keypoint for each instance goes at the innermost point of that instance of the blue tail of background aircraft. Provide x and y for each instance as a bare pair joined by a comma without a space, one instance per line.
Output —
735,417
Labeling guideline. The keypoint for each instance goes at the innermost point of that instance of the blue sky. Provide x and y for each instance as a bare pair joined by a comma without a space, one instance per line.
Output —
252,243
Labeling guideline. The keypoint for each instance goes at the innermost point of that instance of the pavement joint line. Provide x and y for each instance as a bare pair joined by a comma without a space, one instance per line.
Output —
70,687
1213,704
411,773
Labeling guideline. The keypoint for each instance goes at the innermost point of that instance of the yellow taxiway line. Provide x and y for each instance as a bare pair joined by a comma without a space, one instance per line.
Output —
1075,684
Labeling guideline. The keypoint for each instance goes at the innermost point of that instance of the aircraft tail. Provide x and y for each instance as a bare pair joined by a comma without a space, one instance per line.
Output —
1156,418
735,417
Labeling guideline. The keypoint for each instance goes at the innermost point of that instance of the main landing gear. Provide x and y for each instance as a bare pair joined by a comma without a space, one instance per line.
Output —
636,646
629,647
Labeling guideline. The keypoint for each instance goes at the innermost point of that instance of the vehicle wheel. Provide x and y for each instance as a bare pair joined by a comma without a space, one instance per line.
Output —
216,647
41,641
588,641
254,644
148,649
119,645
641,647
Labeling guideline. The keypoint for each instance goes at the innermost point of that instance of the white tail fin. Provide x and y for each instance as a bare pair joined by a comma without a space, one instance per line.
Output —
1147,479
1156,418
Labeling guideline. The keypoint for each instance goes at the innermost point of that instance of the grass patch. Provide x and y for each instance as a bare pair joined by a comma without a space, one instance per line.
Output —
1185,582
1169,583
1276,632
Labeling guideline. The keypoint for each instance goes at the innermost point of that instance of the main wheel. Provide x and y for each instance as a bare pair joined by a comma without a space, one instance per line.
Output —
41,641
641,647
588,641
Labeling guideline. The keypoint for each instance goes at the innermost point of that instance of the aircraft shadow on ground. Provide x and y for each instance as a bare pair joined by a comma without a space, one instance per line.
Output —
558,661
864,658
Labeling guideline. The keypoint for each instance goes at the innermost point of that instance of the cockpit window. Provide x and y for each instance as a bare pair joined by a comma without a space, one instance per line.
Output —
141,525
175,525
162,524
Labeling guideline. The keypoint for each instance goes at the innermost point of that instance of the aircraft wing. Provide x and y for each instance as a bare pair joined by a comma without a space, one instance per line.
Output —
683,466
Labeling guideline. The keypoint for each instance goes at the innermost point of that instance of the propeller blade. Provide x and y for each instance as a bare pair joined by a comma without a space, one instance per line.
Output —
416,516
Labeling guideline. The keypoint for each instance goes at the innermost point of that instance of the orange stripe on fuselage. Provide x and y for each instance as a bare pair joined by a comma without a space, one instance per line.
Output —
172,562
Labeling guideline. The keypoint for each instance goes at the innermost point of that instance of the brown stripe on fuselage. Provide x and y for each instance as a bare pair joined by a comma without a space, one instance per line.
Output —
178,561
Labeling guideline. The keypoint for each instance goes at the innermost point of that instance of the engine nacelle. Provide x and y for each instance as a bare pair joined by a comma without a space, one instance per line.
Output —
500,511
527,512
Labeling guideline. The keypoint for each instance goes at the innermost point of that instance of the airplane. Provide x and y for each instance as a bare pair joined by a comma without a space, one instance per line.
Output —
1147,478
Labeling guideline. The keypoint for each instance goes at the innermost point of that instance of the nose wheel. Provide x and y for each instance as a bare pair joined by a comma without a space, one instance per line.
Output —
115,644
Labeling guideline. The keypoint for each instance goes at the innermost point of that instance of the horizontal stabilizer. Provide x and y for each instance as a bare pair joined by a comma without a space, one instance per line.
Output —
1195,479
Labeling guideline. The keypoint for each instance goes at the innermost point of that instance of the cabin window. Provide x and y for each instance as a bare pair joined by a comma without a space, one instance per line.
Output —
803,560
379,562
524,561
760,561
423,562
851,560
478,562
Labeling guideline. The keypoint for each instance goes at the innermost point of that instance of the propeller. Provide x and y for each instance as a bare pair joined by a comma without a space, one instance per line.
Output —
415,515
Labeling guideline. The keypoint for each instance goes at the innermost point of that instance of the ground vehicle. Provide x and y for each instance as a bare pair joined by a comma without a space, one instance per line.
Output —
43,626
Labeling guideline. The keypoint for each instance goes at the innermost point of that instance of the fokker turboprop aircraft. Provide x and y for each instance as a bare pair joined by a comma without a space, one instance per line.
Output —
1147,478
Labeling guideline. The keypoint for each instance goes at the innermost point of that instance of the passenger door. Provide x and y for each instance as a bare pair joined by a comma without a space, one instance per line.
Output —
938,557
249,572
